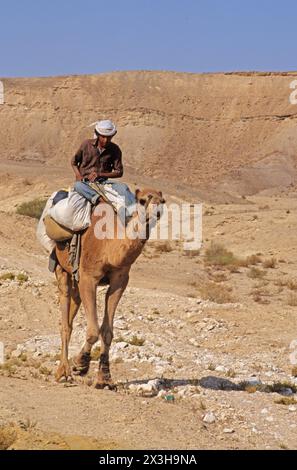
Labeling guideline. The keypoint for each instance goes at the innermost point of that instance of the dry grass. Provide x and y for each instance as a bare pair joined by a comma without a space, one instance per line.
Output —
95,354
45,371
257,298
292,284
277,387
286,401
21,277
269,263
218,277
262,291
9,276
253,259
163,247
7,437
292,300
215,293
32,208
256,273
191,253
231,373
218,255
135,341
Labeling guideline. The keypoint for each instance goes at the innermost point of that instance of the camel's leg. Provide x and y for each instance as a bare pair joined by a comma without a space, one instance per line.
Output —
70,303
87,289
118,284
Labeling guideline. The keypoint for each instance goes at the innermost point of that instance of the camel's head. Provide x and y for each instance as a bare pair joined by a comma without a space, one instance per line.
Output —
152,201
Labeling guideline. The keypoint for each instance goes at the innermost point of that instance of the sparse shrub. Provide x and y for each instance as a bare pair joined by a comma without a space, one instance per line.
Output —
156,311
233,269
95,354
281,282
279,387
269,263
202,405
7,277
135,341
285,401
22,277
218,277
262,291
119,339
283,446
256,273
253,259
7,437
194,284
163,247
215,293
218,255
32,208
292,300
231,373
292,284
257,298
45,371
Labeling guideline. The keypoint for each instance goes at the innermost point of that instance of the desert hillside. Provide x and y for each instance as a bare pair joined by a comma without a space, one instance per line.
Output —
235,131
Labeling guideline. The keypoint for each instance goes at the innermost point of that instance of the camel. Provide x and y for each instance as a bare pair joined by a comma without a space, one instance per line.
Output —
101,260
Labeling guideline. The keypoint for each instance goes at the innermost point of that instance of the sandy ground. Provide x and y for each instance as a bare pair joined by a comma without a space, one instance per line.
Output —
220,366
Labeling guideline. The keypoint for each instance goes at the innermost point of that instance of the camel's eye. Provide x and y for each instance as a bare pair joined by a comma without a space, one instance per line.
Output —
142,202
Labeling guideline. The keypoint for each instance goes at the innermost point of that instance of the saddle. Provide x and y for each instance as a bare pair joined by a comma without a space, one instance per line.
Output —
61,234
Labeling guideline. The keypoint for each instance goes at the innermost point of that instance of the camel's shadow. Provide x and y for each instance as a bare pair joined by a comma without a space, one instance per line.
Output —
218,383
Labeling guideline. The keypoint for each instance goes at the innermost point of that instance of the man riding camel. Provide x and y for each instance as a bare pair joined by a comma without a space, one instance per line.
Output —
99,160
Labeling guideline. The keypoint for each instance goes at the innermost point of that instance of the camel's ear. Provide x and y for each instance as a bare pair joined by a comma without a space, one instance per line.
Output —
160,193
137,191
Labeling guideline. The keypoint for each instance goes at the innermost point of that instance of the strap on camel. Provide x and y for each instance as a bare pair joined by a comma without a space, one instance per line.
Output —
99,188
74,255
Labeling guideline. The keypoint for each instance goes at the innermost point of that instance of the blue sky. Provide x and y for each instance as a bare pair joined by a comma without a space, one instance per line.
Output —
61,37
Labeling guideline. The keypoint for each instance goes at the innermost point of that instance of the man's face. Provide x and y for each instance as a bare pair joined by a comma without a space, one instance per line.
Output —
104,141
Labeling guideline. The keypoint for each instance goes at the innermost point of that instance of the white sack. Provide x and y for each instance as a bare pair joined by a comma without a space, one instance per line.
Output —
74,212
42,237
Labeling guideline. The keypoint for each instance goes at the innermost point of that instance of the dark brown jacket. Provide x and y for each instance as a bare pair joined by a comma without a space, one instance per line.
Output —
89,159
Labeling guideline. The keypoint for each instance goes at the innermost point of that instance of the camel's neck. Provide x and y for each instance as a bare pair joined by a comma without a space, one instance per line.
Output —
137,231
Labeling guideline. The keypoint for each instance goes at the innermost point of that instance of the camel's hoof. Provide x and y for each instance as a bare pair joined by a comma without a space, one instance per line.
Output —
108,384
81,364
63,371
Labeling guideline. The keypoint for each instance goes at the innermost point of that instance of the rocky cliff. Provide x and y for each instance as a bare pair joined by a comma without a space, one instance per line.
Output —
237,131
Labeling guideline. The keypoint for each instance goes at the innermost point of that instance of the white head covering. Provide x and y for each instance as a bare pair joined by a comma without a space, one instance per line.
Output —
106,128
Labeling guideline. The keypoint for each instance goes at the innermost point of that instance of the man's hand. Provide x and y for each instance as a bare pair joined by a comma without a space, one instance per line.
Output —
92,176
